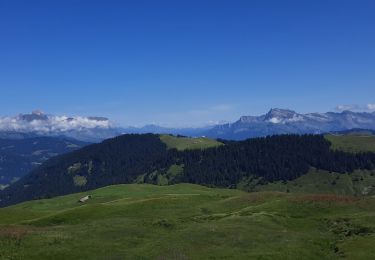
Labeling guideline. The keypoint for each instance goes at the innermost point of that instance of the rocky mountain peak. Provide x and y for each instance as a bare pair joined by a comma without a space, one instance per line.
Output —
35,115
278,115
248,119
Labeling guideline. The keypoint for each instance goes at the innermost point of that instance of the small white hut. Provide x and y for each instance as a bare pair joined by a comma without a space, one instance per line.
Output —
84,199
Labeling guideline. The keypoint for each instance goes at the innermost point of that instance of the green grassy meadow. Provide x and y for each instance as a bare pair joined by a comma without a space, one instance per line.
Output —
188,143
353,142
186,221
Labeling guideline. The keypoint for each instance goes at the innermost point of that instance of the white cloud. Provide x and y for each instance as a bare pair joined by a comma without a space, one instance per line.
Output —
51,124
357,108
347,107
370,107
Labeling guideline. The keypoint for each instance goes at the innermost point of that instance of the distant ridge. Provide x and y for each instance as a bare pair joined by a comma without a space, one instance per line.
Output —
276,121
284,121
355,131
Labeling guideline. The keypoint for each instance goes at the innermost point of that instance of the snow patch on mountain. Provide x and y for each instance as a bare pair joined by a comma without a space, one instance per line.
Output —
275,120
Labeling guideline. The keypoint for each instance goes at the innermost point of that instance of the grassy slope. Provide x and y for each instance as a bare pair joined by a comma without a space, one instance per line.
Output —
359,183
184,143
188,222
353,142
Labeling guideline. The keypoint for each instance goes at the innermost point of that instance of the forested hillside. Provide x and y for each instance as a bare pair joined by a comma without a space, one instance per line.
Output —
147,159
284,157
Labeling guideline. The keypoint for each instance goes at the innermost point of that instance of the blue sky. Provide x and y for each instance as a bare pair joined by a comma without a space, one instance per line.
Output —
185,62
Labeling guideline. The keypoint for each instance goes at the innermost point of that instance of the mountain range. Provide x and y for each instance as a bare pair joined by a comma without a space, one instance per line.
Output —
276,121
285,121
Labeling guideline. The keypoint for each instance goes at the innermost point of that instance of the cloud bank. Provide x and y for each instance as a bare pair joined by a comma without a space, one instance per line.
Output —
41,123
356,107
370,107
